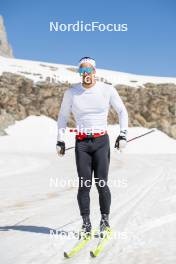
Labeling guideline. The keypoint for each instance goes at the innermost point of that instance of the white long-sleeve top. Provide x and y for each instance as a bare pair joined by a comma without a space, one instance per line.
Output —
90,108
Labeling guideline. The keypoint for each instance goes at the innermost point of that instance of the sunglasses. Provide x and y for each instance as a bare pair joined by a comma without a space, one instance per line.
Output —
86,69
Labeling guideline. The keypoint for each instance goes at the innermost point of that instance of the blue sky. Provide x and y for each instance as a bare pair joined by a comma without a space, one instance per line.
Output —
148,47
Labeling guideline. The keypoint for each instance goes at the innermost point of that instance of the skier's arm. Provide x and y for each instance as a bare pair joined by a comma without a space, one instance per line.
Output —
120,108
64,115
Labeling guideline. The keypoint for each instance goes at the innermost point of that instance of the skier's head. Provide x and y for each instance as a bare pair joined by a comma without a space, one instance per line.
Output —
88,60
87,69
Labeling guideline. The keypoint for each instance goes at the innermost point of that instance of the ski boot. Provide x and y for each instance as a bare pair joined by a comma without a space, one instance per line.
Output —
104,225
86,227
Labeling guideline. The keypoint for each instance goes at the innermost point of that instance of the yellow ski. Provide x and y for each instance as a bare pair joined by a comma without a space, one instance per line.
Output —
80,245
106,236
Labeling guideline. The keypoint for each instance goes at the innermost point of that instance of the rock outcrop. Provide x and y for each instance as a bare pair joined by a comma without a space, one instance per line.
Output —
5,49
151,106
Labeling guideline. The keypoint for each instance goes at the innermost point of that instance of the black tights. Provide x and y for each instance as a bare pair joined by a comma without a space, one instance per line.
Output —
93,155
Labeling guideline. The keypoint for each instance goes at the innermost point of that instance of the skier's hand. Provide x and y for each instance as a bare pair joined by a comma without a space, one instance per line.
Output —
60,147
121,140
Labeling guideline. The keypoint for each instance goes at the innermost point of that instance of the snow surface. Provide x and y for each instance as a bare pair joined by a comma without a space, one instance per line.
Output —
39,71
143,185
38,134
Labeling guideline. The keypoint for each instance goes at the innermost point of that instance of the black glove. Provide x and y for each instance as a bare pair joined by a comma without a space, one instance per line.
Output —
60,147
121,140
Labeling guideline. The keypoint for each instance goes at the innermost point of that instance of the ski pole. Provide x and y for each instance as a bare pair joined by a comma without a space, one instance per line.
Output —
69,148
134,138
141,135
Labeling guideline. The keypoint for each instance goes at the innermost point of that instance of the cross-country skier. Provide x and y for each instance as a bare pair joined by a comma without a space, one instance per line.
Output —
89,102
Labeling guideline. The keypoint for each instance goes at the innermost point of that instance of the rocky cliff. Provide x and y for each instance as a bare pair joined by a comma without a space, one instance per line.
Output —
5,49
153,105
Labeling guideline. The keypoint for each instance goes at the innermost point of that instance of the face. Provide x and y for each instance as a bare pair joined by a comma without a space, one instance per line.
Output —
87,71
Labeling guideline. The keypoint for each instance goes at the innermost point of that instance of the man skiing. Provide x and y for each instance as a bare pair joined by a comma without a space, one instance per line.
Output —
89,102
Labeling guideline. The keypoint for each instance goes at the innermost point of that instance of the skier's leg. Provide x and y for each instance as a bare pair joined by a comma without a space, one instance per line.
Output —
84,170
101,160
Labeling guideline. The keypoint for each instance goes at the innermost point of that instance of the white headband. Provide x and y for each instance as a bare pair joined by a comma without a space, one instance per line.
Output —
87,60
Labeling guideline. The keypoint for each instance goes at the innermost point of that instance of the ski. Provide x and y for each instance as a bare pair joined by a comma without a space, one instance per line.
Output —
79,245
101,244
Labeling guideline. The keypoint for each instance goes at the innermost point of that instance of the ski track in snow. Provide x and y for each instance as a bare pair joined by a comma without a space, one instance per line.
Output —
44,213
14,166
